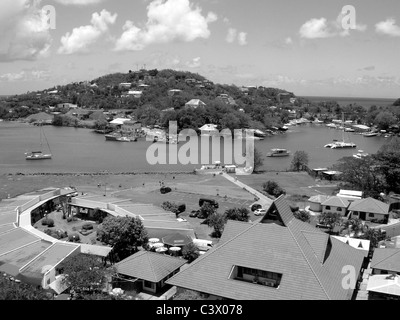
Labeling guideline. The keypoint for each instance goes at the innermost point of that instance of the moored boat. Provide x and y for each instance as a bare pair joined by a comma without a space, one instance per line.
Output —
370,134
37,155
278,153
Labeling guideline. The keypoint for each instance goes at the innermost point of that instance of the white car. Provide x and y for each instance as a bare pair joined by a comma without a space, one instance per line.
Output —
181,220
260,212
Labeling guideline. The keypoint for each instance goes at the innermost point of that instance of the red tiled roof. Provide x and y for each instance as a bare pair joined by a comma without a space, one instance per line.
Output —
149,266
310,270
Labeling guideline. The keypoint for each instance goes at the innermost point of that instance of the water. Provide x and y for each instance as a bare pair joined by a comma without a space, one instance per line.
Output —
344,101
80,150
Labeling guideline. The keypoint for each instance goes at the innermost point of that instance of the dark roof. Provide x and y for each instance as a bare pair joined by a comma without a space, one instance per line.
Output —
149,266
310,261
386,259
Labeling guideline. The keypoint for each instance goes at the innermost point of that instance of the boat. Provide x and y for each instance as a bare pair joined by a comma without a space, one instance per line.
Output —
278,153
341,144
349,130
113,136
370,134
123,139
39,155
331,125
361,154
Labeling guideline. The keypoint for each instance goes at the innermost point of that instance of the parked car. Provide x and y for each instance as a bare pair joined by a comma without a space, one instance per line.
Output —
260,212
194,213
209,201
181,220
165,190
255,207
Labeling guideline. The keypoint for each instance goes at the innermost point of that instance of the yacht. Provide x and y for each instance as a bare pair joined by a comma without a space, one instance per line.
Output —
341,144
361,154
123,139
278,153
37,155
370,134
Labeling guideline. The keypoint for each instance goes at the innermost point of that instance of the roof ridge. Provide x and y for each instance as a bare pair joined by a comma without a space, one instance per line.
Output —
151,266
212,251
308,262
390,256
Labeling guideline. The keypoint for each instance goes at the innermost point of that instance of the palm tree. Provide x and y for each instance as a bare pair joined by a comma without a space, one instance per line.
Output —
374,236
356,225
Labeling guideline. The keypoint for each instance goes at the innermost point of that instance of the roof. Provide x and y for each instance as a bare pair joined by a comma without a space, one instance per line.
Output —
336,202
309,260
386,284
351,193
386,259
359,244
149,266
212,127
120,121
369,205
318,199
42,116
195,102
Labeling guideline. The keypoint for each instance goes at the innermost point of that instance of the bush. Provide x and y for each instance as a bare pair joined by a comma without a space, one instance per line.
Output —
69,219
48,222
87,226
74,237
272,188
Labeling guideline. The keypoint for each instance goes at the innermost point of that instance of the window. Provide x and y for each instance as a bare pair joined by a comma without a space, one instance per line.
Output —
371,215
328,207
148,284
260,277
355,213
339,209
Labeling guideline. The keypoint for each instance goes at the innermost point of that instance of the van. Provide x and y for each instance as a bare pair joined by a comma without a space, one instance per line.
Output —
203,245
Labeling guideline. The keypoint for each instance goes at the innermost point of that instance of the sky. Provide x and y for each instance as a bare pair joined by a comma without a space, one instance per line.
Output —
308,47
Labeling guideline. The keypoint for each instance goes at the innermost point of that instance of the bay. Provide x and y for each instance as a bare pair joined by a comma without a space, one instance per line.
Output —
81,150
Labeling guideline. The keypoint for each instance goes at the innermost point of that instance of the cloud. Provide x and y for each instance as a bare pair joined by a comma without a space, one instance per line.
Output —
288,41
234,35
78,2
170,20
24,30
194,63
25,75
83,37
322,28
388,27
369,68
242,38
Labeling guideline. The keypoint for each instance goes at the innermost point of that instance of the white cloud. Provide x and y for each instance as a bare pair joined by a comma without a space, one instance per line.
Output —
288,41
231,37
322,28
388,27
234,35
242,38
79,2
194,63
170,20
315,28
83,37
24,30
25,75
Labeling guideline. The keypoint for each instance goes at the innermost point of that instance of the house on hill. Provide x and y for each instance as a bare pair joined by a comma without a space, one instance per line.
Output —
369,209
194,104
209,130
81,114
277,258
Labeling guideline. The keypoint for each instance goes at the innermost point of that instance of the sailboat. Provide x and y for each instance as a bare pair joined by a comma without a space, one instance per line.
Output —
39,155
341,144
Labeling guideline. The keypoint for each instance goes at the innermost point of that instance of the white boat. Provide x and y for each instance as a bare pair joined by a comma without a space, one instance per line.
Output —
123,139
361,154
370,134
316,121
331,125
39,155
278,153
341,144
349,130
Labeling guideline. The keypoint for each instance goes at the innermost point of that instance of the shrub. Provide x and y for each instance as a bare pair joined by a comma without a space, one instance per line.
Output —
48,222
272,188
69,219
74,237
87,226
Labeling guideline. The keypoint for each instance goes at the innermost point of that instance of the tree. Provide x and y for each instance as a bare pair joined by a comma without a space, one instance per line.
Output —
258,160
397,103
302,215
11,290
355,225
237,214
206,210
330,219
84,274
272,188
299,161
170,206
374,236
190,252
384,120
124,234
217,221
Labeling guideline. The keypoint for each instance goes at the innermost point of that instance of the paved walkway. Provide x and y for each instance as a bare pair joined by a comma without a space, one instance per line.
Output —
362,293
264,200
